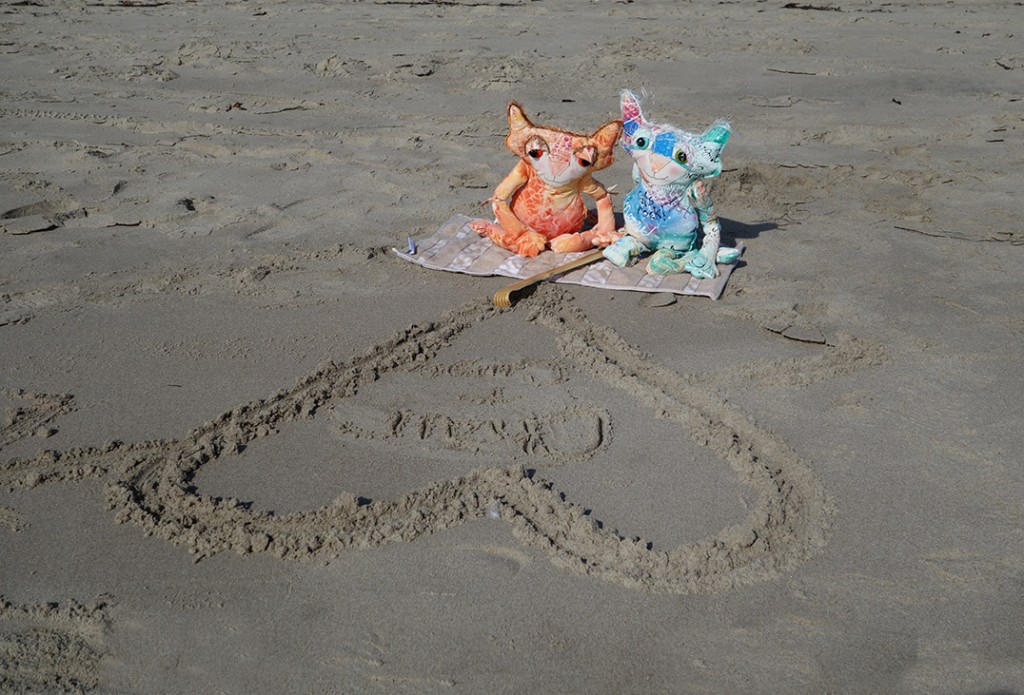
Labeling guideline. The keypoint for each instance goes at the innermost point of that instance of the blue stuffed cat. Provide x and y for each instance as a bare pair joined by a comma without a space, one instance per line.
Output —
672,197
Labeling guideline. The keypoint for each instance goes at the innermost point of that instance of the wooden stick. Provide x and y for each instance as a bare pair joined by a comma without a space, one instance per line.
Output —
503,297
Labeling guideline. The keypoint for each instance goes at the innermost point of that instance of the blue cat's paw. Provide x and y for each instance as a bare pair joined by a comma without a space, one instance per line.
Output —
668,261
623,251
701,267
617,255
728,255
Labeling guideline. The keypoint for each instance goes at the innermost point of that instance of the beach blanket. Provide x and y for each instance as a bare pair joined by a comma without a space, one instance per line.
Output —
457,248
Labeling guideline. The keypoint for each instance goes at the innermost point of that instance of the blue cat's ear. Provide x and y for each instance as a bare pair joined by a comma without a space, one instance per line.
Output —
712,142
631,107
718,133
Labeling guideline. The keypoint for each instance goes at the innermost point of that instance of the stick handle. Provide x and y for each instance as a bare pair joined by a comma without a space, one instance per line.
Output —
503,297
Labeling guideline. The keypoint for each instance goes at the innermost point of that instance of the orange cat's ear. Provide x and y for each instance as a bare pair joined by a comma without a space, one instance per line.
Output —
605,138
519,129
517,119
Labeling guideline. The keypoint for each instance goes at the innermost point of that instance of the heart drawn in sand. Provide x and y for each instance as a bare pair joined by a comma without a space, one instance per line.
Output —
152,484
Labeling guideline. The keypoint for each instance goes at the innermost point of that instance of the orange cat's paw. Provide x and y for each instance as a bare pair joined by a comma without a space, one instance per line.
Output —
568,243
485,228
530,244
604,237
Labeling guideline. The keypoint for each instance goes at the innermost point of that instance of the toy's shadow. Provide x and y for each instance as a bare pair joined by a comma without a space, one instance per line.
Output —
732,229
741,230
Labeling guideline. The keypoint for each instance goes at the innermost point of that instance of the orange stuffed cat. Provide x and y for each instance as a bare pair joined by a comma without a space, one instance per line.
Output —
541,200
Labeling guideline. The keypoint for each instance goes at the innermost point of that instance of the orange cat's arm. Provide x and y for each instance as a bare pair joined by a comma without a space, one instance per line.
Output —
515,180
603,232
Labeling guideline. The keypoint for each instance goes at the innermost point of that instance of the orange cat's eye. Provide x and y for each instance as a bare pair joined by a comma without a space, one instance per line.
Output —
583,162
535,153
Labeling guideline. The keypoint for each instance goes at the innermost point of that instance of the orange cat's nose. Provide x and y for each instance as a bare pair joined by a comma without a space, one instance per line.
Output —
557,165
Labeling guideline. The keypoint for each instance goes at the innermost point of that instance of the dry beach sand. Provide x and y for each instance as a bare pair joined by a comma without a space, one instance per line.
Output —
247,449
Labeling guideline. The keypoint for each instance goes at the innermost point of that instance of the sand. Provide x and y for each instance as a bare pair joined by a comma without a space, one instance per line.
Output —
247,449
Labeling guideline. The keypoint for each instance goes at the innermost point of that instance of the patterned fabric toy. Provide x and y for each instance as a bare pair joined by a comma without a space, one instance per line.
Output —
672,196
540,201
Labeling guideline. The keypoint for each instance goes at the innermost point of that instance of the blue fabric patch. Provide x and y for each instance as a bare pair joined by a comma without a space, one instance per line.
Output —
665,144
662,226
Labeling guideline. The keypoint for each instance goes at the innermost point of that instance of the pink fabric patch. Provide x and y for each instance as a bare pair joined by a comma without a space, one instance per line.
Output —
630,110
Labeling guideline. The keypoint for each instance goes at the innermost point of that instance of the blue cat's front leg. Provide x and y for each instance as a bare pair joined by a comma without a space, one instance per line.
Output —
639,229
704,264
624,251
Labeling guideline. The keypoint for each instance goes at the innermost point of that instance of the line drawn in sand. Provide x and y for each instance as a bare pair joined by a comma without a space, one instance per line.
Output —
531,415
152,484
33,416
52,645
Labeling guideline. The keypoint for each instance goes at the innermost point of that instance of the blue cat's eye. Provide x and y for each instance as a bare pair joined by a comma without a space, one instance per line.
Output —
680,156
642,139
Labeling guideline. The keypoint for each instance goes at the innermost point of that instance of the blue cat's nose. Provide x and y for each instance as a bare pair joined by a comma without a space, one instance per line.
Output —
658,162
